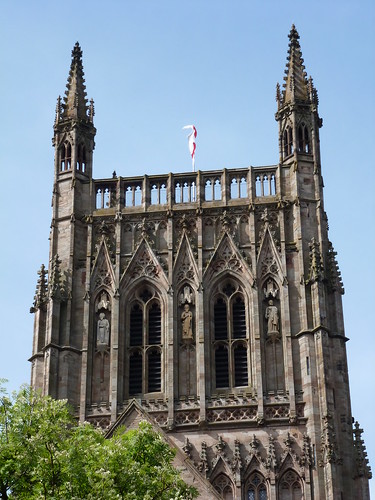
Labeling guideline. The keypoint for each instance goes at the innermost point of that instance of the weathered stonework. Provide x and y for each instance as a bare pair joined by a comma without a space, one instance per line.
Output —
207,302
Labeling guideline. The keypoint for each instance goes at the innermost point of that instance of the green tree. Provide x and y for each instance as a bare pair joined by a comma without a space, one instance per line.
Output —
33,433
141,464
44,453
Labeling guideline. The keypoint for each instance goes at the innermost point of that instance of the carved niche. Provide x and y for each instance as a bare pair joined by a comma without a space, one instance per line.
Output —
274,372
187,351
101,356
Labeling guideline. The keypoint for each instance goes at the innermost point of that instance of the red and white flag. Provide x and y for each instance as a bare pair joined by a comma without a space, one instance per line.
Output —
191,141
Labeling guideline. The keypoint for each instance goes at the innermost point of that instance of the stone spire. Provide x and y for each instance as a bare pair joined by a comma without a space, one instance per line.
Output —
75,102
296,84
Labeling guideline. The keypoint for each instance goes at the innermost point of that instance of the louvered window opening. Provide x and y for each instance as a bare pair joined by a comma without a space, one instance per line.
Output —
240,366
136,325
221,323
145,329
135,373
222,369
154,325
154,371
239,319
231,359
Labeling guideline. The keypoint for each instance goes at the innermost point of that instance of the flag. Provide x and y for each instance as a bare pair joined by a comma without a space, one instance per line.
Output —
191,141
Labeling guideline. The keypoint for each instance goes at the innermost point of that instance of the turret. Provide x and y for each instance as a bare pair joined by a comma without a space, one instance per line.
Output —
74,131
58,307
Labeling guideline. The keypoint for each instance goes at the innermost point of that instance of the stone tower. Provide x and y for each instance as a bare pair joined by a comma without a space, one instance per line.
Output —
207,302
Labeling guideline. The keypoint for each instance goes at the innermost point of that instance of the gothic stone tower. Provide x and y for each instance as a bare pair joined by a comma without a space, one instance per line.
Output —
207,302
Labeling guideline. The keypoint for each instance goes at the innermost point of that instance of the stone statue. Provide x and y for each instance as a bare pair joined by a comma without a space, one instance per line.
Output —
103,302
187,322
272,315
102,335
186,296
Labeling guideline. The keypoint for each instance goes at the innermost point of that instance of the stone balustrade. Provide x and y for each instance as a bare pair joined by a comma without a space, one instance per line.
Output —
202,188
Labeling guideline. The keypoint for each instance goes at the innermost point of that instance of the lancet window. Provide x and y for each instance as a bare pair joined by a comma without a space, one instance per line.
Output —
81,158
303,139
65,157
288,141
145,343
230,338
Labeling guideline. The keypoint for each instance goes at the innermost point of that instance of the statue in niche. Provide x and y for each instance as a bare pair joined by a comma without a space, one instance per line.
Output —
186,296
103,303
187,323
102,335
272,317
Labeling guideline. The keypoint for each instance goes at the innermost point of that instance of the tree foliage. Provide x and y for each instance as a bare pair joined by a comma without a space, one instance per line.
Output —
44,453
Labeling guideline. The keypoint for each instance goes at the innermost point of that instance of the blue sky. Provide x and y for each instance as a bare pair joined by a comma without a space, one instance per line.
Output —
154,66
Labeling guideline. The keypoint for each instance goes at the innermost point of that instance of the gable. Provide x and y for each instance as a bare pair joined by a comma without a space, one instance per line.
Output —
227,258
144,264
130,419
102,274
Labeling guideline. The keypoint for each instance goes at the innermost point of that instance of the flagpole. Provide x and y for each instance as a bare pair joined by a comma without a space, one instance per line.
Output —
194,186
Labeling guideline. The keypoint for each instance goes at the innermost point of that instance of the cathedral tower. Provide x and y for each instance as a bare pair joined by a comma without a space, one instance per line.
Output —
208,303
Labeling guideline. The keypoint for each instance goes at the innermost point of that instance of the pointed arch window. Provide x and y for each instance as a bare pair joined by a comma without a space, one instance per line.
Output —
65,157
144,341
154,370
290,486
230,338
224,486
288,141
303,139
256,488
